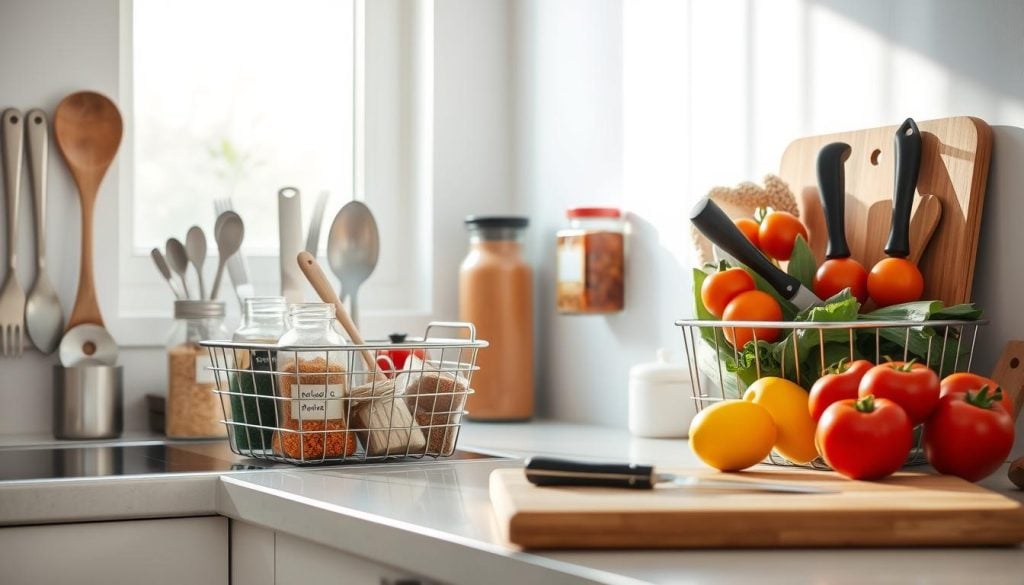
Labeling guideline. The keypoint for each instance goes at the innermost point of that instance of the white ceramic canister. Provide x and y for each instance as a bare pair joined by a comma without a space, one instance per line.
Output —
660,398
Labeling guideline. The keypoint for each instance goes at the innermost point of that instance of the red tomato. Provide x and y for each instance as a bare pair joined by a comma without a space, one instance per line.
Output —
837,274
968,436
913,386
721,287
753,305
893,281
840,383
964,382
749,228
778,232
868,438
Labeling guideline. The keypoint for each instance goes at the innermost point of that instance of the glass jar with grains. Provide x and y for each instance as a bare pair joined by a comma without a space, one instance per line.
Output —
313,385
264,320
193,409
591,262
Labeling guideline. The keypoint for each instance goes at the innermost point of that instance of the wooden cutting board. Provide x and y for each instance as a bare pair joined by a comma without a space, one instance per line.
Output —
954,168
907,509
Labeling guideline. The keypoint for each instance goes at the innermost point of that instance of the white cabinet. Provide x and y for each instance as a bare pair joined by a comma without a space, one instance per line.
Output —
260,556
155,552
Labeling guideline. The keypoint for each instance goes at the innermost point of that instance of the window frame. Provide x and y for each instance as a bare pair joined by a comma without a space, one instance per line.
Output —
395,160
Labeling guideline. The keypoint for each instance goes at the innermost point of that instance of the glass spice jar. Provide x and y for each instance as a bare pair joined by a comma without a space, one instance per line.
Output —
591,262
313,384
193,409
264,320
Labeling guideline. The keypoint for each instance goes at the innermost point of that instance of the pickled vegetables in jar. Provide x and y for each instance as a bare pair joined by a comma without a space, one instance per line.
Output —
591,262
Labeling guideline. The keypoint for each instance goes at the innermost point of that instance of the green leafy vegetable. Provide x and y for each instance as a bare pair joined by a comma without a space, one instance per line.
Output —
801,264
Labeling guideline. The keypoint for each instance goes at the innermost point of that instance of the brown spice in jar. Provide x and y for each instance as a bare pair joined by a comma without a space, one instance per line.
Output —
438,399
193,409
602,290
311,442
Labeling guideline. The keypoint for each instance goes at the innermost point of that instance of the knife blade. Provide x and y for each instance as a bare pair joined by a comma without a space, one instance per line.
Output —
550,471
709,218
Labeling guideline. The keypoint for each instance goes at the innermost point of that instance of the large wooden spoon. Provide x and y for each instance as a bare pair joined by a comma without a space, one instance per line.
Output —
87,127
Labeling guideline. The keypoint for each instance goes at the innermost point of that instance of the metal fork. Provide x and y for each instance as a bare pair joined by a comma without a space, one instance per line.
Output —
12,297
238,269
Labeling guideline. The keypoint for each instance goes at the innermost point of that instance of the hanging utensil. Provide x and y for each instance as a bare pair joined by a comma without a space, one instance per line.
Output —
709,218
88,129
839,270
12,296
289,212
896,279
353,247
177,259
549,471
165,271
195,249
238,268
44,319
228,232
313,235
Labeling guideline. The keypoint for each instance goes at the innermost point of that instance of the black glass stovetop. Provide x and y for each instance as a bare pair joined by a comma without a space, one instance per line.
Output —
110,460
66,462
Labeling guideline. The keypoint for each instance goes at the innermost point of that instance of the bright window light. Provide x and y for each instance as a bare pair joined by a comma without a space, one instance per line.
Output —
237,99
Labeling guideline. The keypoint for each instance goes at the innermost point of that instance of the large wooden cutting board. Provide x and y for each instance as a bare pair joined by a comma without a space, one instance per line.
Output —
954,167
907,509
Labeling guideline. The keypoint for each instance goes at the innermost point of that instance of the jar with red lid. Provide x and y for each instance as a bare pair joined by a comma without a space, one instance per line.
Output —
591,262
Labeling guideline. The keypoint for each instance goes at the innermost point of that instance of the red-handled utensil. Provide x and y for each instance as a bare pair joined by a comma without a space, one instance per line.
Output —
839,271
896,279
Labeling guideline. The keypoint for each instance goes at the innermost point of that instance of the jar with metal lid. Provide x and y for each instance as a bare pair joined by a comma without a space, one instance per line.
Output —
193,409
591,262
496,295
312,385
264,320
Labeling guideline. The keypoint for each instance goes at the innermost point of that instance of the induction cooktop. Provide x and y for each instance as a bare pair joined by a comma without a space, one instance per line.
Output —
66,462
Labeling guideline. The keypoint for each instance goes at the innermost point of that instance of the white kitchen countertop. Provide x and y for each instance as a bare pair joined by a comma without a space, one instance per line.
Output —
434,518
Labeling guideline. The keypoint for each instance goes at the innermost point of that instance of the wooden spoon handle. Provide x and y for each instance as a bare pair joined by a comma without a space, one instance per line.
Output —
316,277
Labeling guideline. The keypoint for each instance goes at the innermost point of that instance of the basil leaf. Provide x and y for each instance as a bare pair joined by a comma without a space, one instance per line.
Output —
801,263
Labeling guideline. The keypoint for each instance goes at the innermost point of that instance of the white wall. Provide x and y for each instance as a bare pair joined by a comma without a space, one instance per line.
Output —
649,103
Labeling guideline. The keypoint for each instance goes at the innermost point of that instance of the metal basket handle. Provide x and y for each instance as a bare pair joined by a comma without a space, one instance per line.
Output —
451,325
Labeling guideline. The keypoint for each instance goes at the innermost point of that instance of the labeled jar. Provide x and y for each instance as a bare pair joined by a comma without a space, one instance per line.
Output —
496,295
312,382
591,256
264,321
193,409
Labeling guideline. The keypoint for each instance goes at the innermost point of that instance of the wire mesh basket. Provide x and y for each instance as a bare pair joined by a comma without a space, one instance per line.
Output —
718,371
345,404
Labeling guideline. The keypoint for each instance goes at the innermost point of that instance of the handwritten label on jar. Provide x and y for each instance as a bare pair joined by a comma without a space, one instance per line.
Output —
318,402
204,375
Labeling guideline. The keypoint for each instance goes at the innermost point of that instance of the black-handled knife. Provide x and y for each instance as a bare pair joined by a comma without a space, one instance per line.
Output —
709,218
549,471
908,145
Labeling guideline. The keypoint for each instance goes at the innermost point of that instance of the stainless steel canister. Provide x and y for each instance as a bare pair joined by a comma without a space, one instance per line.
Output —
88,401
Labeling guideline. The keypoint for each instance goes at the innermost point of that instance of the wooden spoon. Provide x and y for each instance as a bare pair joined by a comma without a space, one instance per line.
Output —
87,127
316,277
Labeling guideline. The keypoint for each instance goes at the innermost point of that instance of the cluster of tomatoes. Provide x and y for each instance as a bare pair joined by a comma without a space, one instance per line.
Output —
731,294
891,281
866,416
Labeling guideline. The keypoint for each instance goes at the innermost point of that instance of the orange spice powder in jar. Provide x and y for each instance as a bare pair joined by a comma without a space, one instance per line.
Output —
314,414
591,262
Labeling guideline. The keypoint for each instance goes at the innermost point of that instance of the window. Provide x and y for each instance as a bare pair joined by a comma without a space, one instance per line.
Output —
233,98
238,99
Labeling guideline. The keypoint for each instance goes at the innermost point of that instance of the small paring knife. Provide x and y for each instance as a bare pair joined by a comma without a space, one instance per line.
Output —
548,471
